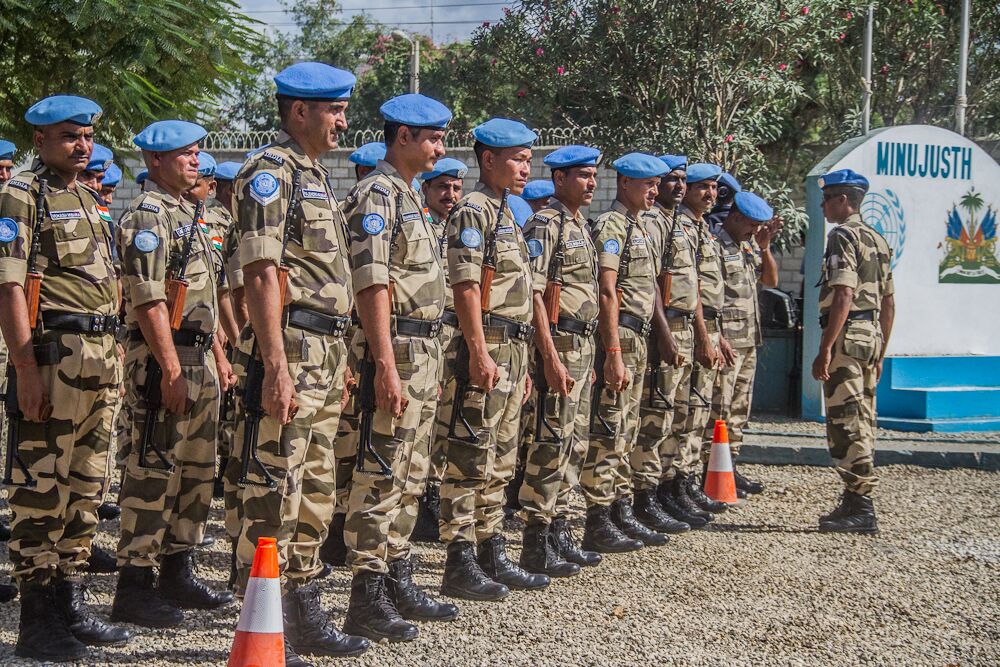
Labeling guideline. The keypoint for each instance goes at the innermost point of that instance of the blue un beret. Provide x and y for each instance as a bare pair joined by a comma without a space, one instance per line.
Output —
703,171
225,171
520,209
446,165
206,165
572,156
112,176
100,158
140,178
753,206
63,108
368,154
730,182
640,165
539,189
314,81
7,149
675,161
843,177
504,133
415,110
169,135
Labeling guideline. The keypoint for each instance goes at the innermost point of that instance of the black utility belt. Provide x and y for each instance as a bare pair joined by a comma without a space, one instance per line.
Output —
517,330
181,338
575,326
854,315
677,313
81,323
636,324
411,326
450,318
710,313
316,322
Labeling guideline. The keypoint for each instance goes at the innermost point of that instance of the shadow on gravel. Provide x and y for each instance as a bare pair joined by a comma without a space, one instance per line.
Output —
716,527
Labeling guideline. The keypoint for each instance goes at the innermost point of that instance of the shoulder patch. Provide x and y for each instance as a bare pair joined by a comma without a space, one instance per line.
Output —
149,206
471,237
19,184
8,230
273,157
373,223
146,241
612,246
474,206
264,188
535,248
381,189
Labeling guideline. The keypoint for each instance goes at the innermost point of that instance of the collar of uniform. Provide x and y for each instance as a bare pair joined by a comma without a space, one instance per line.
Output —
620,208
167,198
42,171
854,218
486,190
387,169
726,239
683,209
288,142
559,207
435,218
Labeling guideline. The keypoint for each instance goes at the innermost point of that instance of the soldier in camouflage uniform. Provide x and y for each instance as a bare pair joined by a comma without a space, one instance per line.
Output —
629,264
857,309
563,254
165,502
7,150
745,242
67,376
399,283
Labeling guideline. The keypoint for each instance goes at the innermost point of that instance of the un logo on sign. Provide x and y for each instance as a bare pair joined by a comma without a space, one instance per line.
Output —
884,213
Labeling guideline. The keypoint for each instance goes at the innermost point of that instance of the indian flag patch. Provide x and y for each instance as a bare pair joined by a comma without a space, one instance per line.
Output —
203,225
217,242
104,213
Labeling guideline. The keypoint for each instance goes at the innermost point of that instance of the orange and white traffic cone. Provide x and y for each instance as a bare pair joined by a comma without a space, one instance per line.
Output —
259,640
720,484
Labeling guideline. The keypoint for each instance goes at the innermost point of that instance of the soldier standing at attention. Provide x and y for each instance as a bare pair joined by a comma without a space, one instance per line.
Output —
629,264
398,279
857,309
67,377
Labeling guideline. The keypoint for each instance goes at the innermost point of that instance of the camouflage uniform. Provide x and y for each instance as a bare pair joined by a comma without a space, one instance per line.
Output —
549,456
299,455
231,447
164,511
607,474
476,475
449,348
668,386
857,257
413,266
53,524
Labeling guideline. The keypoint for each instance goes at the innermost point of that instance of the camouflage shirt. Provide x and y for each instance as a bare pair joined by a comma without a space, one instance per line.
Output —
858,257
741,267
74,258
219,222
578,297
637,280
470,225
231,257
708,258
319,275
413,261
151,235
440,226
678,256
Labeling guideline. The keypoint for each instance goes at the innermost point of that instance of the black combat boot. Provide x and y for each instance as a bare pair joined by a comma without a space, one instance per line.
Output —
412,602
100,561
602,535
370,612
857,515
648,511
843,505
334,549
179,585
109,511
565,544
89,629
538,556
293,659
428,513
512,505
308,627
679,488
695,493
138,600
498,567
234,569
42,633
463,578
665,494
8,592
744,484
622,516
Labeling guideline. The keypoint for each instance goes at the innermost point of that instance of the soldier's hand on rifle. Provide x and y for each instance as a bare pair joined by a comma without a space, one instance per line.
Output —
669,351
558,377
615,373
227,378
32,398
278,395
483,371
389,390
174,392
706,354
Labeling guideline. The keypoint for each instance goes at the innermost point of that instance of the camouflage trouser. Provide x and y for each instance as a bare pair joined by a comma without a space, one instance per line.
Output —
377,503
233,453
850,405
654,450
299,455
476,475
165,511
699,408
345,447
53,523
731,398
549,455
606,474
450,337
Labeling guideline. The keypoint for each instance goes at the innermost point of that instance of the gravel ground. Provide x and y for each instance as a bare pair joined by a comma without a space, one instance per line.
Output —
760,587
772,423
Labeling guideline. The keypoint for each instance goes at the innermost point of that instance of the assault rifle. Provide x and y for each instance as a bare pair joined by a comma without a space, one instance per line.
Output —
545,433
489,267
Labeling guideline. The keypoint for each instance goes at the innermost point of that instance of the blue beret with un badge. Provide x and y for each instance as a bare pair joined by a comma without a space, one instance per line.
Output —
703,171
141,177
368,154
753,206
169,135
674,161
504,133
225,171
206,165
539,189
416,110
572,156
7,149
843,178
314,81
730,182
447,166
100,158
63,109
639,165
520,209
112,176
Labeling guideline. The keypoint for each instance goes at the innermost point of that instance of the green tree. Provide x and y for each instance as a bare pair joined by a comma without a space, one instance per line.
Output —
140,60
